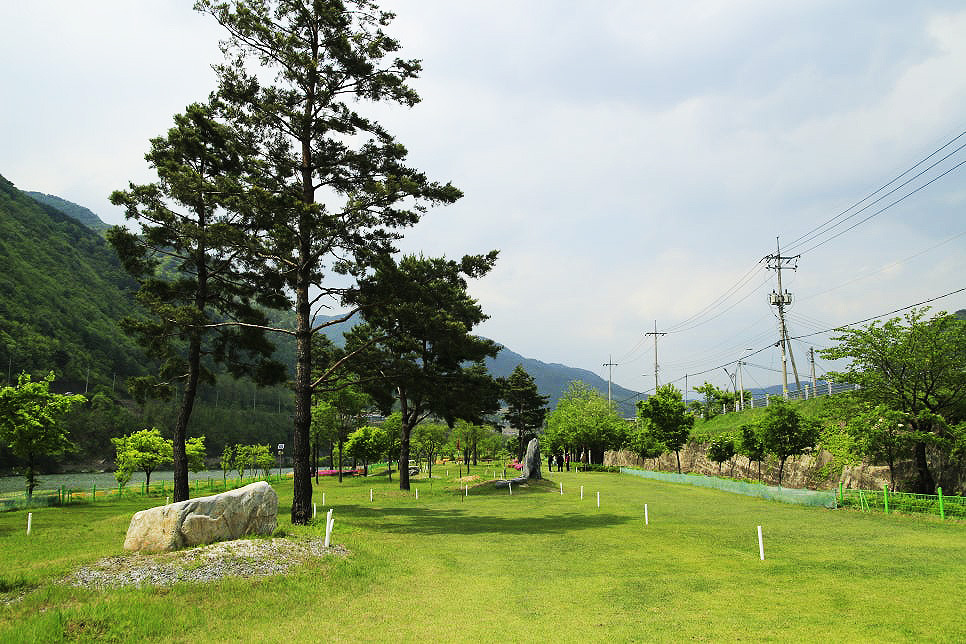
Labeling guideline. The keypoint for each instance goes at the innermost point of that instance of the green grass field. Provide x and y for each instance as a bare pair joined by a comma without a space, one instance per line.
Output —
494,567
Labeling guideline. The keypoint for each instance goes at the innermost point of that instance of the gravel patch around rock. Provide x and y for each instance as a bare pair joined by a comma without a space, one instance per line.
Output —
239,558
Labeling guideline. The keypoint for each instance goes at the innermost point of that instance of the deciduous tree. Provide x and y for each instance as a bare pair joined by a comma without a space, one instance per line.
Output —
668,417
785,432
912,365
30,426
144,450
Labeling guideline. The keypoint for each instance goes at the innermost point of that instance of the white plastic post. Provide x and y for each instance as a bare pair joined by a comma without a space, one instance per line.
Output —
761,545
645,514
30,520
598,499
417,493
314,510
510,486
328,530
323,498
467,490
561,487
370,495
167,500
581,492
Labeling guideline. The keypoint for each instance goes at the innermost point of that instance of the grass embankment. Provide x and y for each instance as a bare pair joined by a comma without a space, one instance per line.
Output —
732,421
492,566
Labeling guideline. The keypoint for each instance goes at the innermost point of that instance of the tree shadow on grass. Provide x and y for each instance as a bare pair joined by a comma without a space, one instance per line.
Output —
423,520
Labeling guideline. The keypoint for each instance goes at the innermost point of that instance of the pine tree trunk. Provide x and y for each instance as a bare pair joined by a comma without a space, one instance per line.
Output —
301,477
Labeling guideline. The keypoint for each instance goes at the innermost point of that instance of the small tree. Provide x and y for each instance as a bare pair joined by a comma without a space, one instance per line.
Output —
642,441
195,452
143,450
751,447
262,459
721,449
667,414
227,461
430,437
366,444
785,432
30,424
243,457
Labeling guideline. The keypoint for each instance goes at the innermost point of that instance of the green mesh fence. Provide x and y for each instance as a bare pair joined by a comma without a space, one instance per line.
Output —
820,498
882,501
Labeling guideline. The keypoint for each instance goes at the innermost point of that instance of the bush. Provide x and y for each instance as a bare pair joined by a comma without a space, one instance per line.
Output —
593,467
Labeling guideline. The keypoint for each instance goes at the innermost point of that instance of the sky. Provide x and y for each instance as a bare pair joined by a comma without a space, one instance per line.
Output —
633,162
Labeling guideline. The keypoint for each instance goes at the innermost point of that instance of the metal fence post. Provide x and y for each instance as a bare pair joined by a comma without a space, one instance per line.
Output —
885,497
942,514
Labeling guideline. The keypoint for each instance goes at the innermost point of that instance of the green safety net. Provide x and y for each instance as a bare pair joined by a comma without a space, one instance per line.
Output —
821,498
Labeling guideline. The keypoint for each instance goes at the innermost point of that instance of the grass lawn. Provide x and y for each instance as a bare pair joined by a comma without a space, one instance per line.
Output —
493,567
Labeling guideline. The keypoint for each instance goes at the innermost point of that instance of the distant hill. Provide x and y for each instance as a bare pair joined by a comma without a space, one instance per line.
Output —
71,209
551,378
62,291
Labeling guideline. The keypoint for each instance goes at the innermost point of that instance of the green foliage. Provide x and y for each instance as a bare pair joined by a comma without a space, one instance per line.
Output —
751,445
62,292
334,186
785,432
721,449
642,441
144,450
912,366
367,444
584,421
668,418
416,342
195,451
526,408
30,423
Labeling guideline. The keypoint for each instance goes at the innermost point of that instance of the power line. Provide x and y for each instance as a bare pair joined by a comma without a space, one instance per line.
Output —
802,239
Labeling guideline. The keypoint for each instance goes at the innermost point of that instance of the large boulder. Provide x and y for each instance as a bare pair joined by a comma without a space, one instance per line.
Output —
252,509
532,461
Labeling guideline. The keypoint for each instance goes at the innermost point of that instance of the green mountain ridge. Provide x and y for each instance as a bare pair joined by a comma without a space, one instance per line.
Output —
72,210
62,292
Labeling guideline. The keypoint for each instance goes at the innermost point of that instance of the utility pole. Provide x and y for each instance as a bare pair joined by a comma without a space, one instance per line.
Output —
610,364
741,384
811,353
655,334
781,299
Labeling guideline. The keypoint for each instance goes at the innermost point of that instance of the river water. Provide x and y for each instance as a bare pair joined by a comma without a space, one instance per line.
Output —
105,480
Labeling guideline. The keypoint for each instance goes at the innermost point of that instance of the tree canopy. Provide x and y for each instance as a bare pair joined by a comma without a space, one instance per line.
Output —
526,408
333,184
30,422
668,417
914,365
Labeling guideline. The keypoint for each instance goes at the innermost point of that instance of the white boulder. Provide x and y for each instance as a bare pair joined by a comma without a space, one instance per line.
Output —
252,509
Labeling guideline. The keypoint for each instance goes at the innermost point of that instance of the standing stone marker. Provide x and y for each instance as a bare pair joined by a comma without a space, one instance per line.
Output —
531,465
252,509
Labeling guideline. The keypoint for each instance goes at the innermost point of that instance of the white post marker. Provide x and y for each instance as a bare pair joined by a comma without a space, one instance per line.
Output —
561,487
598,499
328,530
510,486
370,495
581,492
645,514
323,498
30,520
761,545
417,493
467,490
314,510
167,500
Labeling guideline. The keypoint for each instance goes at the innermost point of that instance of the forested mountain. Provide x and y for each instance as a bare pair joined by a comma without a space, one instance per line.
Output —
62,291
71,209
551,378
